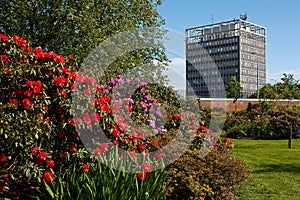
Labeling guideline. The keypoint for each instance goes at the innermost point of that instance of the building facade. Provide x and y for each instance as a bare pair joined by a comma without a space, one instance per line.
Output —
216,52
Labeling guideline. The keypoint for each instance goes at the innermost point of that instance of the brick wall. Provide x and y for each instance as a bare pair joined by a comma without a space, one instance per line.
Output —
241,104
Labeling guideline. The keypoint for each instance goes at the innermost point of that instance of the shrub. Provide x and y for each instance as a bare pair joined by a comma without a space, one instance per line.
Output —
211,177
263,121
39,131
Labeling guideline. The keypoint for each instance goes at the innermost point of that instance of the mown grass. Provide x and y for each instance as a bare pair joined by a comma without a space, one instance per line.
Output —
275,169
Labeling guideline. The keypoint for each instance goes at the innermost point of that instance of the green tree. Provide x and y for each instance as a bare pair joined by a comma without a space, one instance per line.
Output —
75,27
288,88
269,92
233,90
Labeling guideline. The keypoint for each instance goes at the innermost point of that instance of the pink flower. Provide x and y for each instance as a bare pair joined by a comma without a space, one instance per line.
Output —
103,147
146,167
158,156
87,92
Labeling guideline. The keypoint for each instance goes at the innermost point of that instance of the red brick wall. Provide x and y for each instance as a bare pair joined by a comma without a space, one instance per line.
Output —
241,104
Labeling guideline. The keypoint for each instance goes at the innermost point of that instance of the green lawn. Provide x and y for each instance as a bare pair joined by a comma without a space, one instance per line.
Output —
275,169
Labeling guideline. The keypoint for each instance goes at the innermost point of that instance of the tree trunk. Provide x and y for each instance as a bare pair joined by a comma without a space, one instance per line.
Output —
290,138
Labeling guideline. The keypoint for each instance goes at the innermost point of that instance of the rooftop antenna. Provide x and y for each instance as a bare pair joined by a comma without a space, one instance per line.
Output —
243,16
212,18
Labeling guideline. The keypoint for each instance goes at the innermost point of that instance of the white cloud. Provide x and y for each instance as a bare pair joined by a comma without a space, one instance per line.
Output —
275,77
176,73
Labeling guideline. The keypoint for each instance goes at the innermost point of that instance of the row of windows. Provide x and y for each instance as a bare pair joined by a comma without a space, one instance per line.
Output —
213,43
251,50
253,57
252,65
252,80
253,43
216,58
205,52
253,72
253,36
250,87
212,64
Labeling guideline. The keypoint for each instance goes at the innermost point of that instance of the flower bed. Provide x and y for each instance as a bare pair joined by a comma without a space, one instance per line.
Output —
49,143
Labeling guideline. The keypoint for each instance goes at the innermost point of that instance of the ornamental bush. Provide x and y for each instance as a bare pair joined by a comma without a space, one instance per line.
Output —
214,176
39,132
264,121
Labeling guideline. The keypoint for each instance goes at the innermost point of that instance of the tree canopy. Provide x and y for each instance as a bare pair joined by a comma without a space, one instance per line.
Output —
74,27
288,88
233,89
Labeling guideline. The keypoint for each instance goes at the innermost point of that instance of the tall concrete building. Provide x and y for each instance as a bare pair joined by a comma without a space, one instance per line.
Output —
216,52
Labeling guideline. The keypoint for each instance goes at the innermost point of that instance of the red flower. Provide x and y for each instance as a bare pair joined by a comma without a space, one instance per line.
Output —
202,128
89,80
87,120
49,177
35,150
3,159
62,92
36,90
59,59
129,109
153,142
4,38
116,132
73,148
103,147
146,167
95,117
73,87
66,70
116,142
4,58
61,135
158,156
30,83
87,92
85,168
28,93
60,80
176,116
13,101
50,163
2,187
97,152
141,176
26,103
142,147
41,158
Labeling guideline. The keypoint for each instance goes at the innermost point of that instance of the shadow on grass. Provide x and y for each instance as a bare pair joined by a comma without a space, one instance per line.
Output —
293,168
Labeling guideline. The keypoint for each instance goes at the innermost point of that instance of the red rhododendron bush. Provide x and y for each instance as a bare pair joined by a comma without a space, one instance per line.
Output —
40,134
48,138
38,138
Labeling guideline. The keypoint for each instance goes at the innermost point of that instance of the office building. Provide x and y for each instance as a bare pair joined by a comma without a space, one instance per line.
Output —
218,51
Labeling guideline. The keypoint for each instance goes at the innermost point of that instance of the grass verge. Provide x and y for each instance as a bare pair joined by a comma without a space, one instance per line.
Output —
275,169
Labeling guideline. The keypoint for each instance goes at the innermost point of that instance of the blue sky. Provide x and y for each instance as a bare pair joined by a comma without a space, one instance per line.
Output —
281,18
